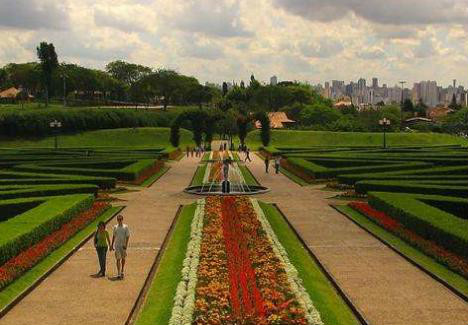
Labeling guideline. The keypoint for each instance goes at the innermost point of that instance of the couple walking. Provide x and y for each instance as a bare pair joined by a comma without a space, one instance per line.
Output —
119,244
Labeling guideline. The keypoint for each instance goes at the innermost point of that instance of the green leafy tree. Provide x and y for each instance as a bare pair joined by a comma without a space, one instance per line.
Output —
49,63
421,108
128,73
242,127
453,104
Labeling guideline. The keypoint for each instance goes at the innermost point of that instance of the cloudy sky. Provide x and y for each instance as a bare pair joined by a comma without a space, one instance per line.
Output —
216,40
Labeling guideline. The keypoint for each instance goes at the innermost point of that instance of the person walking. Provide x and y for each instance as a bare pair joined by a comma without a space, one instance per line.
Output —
188,151
247,155
277,164
267,164
121,235
101,243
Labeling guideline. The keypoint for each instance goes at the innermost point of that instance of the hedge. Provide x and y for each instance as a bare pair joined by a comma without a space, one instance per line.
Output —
426,220
28,228
24,191
24,178
411,187
129,173
36,122
320,172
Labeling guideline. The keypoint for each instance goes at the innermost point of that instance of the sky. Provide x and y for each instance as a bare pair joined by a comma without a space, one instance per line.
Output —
217,40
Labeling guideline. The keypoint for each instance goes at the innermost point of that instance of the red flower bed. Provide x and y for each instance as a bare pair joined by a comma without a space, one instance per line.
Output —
19,264
216,174
147,173
240,279
451,260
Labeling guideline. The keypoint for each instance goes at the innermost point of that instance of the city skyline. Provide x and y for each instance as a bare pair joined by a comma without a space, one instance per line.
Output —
305,40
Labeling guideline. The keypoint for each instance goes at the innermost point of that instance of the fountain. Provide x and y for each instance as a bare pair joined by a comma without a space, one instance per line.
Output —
226,179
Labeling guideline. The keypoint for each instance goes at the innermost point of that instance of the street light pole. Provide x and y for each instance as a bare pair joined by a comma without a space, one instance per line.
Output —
55,125
64,90
384,123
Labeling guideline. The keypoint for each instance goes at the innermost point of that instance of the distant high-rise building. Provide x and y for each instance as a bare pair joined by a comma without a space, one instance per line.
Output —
274,80
375,83
362,84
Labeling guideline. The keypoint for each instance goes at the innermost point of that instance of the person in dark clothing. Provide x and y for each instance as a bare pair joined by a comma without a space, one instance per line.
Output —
267,164
247,155
101,243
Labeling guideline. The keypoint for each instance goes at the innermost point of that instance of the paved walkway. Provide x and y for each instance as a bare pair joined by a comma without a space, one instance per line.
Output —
384,286
71,297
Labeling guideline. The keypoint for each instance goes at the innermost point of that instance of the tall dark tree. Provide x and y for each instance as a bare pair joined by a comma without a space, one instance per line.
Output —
225,89
407,106
453,104
265,132
242,127
49,63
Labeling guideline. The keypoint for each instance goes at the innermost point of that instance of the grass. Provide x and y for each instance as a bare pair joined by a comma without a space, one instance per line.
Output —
332,308
10,293
124,138
247,174
453,279
199,175
295,139
159,300
150,180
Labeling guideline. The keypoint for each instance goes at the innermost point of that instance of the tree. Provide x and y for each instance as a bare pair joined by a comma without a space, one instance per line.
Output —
242,127
407,106
265,135
128,73
49,63
225,89
453,104
421,108
319,115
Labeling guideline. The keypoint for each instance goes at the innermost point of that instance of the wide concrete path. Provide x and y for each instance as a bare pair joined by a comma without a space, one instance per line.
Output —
71,297
384,286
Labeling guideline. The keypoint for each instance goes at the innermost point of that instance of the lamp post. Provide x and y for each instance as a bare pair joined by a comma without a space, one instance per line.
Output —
64,77
384,123
55,125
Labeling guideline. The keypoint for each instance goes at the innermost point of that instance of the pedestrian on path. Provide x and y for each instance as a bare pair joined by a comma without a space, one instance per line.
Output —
277,164
120,238
247,155
101,243
267,164
188,151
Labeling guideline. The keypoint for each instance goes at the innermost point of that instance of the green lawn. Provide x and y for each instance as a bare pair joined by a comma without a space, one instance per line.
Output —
12,291
131,138
332,308
295,139
199,175
428,263
248,177
159,300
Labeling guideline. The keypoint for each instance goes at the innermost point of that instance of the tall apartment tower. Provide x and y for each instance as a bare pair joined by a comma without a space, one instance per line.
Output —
274,80
375,83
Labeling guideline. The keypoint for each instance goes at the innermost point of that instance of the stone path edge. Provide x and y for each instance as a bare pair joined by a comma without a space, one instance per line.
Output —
36,283
417,265
132,316
349,302
161,174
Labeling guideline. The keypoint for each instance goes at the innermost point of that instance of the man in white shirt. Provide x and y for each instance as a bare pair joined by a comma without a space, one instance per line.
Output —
120,238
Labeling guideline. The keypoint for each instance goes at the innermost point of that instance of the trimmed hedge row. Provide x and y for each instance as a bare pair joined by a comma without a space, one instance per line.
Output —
320,172
426,220
30,227
23,178
364,187
24,191
130,172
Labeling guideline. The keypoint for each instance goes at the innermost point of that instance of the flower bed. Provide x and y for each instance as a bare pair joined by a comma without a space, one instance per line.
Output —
147,173
216,174
19,264
451,260
244,275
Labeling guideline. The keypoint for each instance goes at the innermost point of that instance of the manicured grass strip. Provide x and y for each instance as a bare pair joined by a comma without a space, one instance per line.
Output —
294,178
151,180
31,277
429,264
159,300
199,174
248,177
331,306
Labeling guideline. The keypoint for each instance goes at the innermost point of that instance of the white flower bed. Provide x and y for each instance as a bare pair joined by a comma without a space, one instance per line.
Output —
184,300
311,313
